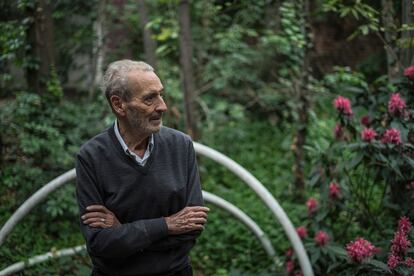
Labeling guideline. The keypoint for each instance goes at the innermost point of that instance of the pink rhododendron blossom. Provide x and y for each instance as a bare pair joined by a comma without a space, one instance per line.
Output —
400,243
343,105
392,136
360,249
289,253
338,131
321,238
409,262
312,205
290,267
299,273
404,225
302,232
410,185
396,105
409,72
393,261
334,190
365,120
368,134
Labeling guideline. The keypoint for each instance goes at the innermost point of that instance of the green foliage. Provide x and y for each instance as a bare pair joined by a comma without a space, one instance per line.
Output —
374,176
40,135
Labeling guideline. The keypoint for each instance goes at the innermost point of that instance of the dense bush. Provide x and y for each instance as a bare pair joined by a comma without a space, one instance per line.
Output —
364,178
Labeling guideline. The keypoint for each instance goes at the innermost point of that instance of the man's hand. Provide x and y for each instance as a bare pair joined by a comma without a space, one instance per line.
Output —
188,219
100,217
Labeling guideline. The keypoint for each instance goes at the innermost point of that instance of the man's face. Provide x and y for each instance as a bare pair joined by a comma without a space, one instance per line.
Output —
144,110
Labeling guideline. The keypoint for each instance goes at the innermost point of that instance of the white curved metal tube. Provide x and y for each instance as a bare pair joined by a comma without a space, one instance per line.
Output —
267,198
14,268
220,158
32,201
208,197
239,214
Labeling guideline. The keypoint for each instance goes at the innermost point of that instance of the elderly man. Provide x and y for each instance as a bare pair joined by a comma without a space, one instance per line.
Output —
138,186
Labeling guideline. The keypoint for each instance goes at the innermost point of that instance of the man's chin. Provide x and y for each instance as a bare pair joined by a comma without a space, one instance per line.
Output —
156,126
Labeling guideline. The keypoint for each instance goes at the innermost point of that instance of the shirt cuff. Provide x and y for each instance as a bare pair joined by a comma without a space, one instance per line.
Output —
156,229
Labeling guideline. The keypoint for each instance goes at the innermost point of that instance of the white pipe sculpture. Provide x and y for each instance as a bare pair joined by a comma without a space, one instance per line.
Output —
267,198
208,197
220,158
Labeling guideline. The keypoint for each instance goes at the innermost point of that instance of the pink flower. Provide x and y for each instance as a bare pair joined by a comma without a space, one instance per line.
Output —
400,243
290,267
338,131
365,120
396,105
302,232
289,253
359,250
409,72
299,273
334,190
410,186
368,134
321,238
393,261
409,262
312,204
391,135
404,225
343,105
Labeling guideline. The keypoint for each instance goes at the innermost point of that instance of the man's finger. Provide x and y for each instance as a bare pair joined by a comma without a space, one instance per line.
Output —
94,215
96,208
93,220
198,220
198,208
197,227
98,225
199,215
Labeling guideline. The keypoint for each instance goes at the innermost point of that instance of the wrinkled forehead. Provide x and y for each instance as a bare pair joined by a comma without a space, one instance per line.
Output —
140,81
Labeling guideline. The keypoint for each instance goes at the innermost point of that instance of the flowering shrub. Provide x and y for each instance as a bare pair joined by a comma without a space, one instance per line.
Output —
321,238
364,178
312,204
302,232
359,250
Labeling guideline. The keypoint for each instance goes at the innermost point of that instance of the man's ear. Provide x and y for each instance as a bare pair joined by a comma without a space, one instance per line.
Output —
118,105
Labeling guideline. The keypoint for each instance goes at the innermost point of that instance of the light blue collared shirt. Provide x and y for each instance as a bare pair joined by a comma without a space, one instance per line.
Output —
140,161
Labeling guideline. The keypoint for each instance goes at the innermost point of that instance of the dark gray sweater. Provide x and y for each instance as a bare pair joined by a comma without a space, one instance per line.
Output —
139,197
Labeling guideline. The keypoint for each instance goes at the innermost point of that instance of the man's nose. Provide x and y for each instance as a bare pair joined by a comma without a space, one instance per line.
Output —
161,106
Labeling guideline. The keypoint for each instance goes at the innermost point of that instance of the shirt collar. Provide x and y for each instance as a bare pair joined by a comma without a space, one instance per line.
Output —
150,145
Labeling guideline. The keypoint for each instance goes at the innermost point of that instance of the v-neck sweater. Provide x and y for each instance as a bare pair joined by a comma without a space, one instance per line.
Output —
140,197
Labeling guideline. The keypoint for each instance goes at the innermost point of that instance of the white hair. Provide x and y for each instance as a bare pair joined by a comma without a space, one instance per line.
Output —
115,80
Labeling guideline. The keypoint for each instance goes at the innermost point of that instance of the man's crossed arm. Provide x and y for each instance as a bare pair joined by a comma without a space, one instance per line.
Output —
182,226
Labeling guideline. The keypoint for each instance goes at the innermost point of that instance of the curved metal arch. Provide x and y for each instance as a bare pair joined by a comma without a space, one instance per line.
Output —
220,158
208,197
266,197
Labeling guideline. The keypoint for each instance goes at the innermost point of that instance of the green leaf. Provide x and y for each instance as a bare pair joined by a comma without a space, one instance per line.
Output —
355,161
315,257
338,251
378,264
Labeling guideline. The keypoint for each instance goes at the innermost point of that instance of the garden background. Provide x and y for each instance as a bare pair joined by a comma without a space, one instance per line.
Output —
314,98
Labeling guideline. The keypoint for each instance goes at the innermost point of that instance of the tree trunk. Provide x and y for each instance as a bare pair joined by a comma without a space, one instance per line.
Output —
303,107
149,44
390,38
40,38
186,54
407,17
98,48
